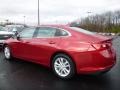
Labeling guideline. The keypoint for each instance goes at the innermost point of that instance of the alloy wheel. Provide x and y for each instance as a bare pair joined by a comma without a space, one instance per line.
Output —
62,67
7,52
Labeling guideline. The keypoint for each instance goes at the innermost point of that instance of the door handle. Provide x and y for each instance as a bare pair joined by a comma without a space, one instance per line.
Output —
51,42
26,42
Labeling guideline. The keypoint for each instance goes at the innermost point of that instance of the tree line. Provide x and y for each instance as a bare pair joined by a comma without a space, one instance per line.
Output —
106,22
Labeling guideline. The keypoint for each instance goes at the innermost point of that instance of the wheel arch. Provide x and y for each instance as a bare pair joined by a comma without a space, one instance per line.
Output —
4,45
62,52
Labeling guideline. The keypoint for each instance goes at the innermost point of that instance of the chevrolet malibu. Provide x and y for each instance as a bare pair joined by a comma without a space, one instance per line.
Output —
66,50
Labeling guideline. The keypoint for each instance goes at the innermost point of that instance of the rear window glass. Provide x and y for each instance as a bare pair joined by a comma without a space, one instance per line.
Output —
82,30
1,28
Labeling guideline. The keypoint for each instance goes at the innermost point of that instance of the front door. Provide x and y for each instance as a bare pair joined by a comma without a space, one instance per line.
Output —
21,47
44,44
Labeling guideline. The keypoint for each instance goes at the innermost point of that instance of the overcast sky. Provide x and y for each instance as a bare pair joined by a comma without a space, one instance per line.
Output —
53,11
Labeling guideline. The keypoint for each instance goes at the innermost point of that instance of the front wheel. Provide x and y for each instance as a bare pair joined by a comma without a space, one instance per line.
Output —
7,53
63,66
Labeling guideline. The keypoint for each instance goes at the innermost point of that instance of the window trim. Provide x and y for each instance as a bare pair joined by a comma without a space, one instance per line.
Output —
69,34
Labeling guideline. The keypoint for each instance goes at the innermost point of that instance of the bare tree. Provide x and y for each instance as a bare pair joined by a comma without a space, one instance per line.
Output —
106,22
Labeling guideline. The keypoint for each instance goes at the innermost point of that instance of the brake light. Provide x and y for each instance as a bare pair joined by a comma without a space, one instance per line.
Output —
99,46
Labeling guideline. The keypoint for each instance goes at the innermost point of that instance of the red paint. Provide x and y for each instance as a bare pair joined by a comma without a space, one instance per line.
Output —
85,50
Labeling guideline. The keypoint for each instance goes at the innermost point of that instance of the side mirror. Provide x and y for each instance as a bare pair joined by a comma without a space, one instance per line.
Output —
18,37
16,33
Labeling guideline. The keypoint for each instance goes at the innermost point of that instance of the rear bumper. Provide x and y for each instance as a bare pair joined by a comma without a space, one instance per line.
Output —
94,70
94,61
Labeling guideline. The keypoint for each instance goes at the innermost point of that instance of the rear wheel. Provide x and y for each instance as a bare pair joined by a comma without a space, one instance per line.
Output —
7,53
63,66
104,72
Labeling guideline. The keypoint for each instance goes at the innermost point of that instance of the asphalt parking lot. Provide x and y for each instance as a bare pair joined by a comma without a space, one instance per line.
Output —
21,75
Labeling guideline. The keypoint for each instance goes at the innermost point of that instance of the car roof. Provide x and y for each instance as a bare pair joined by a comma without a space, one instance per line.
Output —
14,26
59,26
54,26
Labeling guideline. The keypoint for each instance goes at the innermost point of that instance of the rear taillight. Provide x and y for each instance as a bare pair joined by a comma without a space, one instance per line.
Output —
99,46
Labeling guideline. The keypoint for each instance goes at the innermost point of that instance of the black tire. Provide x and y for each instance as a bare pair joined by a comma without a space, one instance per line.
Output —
70,64
10,55
104,72
101,73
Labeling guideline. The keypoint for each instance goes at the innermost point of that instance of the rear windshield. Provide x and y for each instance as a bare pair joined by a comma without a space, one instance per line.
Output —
1,28
82,30
18,29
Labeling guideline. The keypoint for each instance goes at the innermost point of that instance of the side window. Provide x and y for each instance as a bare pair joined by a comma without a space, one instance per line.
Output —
64,33
61,33
27,33
45,32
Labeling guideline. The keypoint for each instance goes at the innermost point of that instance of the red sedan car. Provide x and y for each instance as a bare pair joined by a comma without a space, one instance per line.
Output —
67,50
